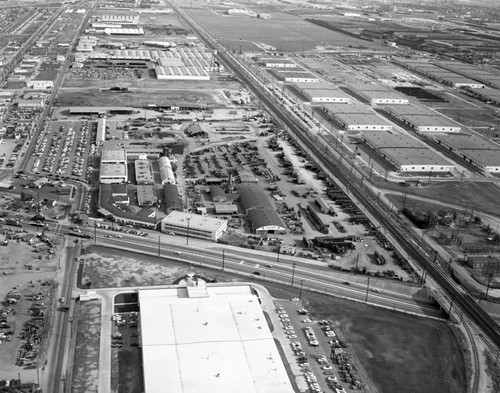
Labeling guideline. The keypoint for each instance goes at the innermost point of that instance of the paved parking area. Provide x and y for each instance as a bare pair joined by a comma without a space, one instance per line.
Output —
292,316
63,149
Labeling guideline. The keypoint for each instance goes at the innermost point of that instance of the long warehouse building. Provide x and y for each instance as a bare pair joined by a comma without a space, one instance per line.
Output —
208,338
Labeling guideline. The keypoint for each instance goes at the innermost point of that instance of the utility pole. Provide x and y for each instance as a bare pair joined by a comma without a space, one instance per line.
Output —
300,293
367,289
158,245
451,305
223,257
293,273
187,233
357,261
278,257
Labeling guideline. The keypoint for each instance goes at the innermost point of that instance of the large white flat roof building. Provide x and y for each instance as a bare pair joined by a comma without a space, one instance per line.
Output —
194,225
374,93
416,160
112,173
210,339
362,122
422,119
477,150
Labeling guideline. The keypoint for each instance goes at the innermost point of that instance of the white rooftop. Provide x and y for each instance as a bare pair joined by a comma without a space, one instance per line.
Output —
216,343
113,156
195,221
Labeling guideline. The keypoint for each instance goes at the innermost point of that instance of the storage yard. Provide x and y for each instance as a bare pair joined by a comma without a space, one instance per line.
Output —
124,121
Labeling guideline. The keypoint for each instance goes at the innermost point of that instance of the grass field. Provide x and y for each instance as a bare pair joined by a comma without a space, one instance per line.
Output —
286,32
478,196
93,97
400,353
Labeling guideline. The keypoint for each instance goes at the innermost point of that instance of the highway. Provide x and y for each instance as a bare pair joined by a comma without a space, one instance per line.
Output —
297,273
363,195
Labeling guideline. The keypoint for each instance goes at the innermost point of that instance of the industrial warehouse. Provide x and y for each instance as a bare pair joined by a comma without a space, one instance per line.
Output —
208,337
355,117
319,92
480,152
406,153
421,119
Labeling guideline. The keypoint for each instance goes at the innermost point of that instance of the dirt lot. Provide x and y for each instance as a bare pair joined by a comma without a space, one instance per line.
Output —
86,364
283,31
23,273
93,97
102,264
399,352
479,196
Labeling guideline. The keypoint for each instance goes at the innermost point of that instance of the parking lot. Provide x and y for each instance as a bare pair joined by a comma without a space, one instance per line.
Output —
319,353
63,150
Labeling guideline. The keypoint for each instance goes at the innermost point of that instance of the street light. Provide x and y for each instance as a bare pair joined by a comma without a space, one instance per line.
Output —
187,233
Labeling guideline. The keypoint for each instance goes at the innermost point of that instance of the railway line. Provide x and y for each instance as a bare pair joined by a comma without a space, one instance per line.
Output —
364,195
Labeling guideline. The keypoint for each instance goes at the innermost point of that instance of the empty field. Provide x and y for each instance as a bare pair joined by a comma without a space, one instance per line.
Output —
93,97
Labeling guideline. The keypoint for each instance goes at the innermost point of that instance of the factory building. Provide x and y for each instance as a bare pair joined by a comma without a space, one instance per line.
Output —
143,171
194,225
146,195
167,175
472,71
295,76
479,151
406,153
124,31
101,131
210,338
171,198
441,75
261,214
318,92
225,208
123,19
355,117
489,95
375,93
43,81
422,119
276,62
113,167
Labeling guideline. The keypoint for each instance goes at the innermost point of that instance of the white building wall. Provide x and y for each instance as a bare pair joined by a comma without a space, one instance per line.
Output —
437,129
426,168
166,172
330,99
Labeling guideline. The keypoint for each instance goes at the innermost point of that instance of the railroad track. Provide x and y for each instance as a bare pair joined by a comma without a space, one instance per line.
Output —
475,357
364,195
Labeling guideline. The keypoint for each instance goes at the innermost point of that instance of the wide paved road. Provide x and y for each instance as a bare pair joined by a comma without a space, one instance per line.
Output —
298,273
